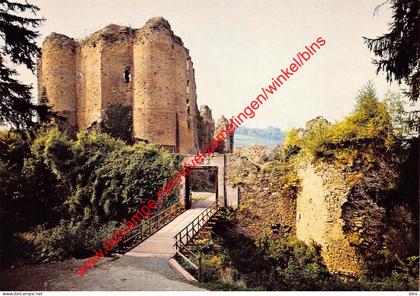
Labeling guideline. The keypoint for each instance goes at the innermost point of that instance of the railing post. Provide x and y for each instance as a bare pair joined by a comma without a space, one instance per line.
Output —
199,268
150,230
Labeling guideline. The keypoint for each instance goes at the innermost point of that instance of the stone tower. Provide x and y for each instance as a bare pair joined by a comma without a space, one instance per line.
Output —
227,145
148,69
57,76
205,126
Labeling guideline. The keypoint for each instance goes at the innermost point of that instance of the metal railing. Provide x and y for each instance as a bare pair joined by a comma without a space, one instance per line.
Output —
188,233
150,226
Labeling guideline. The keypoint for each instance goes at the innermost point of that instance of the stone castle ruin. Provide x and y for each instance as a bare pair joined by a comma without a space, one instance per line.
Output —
151,71
147,69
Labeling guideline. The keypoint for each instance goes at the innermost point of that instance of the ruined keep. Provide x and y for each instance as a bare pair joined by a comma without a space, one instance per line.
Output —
227,145
147,69
205,126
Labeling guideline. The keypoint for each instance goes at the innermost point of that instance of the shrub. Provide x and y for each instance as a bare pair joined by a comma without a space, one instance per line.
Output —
76,189
369,125
231,261
71,239
107,179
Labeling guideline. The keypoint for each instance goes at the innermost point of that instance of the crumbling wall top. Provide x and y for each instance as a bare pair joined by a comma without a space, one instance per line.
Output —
221,123
60,40
157,23
157,26
205,112
110,34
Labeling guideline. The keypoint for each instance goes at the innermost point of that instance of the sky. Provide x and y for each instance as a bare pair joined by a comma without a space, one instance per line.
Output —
237,46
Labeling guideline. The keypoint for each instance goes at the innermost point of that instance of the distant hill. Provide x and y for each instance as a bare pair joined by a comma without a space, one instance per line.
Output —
270,136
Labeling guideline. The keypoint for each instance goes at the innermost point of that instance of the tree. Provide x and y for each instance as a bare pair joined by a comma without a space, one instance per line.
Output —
398,51
18,47
404,123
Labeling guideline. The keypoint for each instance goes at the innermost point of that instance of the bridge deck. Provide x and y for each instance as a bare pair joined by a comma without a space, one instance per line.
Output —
161,244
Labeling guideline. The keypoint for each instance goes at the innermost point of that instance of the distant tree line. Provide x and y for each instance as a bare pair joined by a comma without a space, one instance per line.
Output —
274,133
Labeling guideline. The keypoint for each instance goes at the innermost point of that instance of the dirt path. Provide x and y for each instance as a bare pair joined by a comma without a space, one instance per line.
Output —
118,274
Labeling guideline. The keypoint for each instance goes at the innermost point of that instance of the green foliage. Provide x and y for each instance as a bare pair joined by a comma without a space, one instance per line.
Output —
295,265
398,51
315,134
232,261
26,185
290,151
405,124
119,122
71,238
282,177
108,180
369,128
76,189
369,121
293,142
289,251
18,34
203,181
12,150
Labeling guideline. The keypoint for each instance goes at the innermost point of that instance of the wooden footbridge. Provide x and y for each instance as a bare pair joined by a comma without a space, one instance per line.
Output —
169,233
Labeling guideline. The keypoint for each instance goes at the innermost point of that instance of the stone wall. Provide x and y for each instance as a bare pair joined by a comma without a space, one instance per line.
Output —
264,196
227,145
319,219
205,126
89,83
57,76
340,211
154,94
116,58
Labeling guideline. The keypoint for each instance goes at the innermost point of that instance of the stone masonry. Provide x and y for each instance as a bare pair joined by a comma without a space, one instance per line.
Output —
319,220
205,126
227,145
148,69
355,233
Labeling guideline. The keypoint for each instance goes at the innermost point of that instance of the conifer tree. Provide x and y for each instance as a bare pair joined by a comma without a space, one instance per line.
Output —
398,51
18,33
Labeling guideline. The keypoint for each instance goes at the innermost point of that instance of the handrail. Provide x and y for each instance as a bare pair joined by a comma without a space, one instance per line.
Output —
190,232
150,226
192,228
147,221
